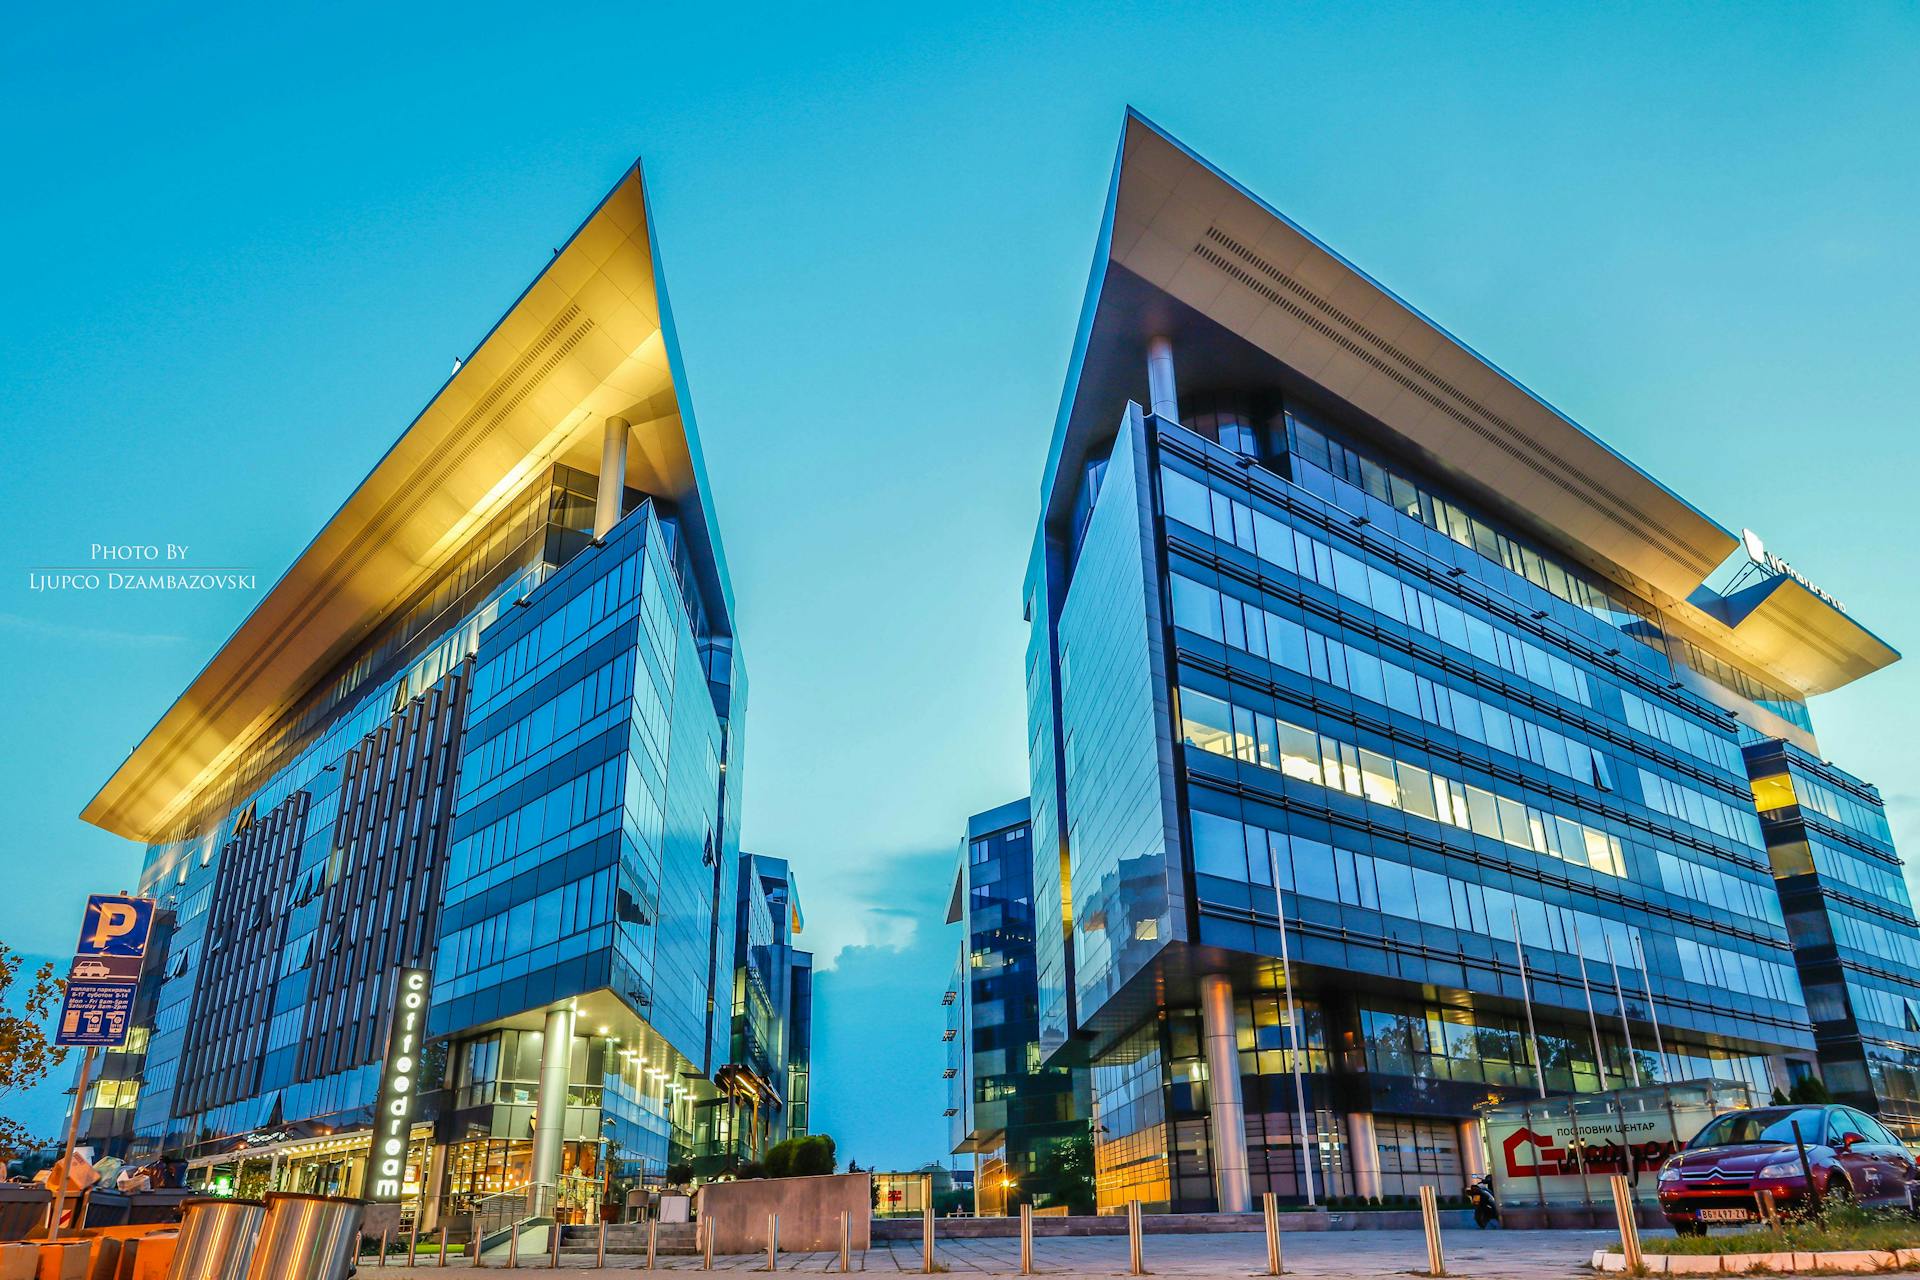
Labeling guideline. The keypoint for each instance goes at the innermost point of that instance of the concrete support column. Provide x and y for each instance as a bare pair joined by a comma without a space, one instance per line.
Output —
550,1119
1232,1188
613,476
1165,401
1363,1147
434,1186
1473,1149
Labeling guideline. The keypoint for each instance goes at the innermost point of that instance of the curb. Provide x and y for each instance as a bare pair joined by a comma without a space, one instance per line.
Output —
1679,1264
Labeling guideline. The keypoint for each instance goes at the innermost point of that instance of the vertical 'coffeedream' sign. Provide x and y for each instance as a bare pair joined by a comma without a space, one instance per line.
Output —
399,1086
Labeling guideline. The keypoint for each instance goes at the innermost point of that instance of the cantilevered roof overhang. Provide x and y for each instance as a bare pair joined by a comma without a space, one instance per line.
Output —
591,338
1187,254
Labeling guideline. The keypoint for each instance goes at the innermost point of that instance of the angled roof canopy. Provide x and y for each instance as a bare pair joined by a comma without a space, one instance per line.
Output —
591,338
1244,295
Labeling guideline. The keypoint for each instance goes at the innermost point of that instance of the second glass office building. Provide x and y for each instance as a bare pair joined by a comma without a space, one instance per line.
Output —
1334,624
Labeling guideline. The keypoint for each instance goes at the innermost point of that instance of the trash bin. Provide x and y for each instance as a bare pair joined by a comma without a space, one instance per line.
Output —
107,1209
216,1239
160,1205
307,1237
23,1209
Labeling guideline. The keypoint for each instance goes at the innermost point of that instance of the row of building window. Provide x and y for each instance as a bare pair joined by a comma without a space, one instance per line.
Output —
1711,887
1197,608
1289,549
1314,869
1677,800
1211,724
1778,791
1417,502
1718,749
1630,617
1843,866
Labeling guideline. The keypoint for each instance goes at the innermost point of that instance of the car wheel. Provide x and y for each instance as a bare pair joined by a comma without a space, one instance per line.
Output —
1838,1192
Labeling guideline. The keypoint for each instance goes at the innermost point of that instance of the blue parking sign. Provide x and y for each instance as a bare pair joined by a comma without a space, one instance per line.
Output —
115,926
95,1014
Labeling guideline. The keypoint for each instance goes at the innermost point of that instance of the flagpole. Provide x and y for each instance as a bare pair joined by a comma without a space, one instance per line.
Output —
1620,998
1599,1057
1293,1023
1653,1014
1526,996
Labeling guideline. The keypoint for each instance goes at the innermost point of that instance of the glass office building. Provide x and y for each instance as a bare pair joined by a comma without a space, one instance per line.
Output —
772,1026
1390,749
488,724
1006,1109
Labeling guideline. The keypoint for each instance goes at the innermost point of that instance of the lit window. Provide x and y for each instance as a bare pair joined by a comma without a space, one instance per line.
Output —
1773,793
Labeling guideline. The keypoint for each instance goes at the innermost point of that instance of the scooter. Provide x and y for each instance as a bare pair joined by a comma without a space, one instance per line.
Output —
1486,1209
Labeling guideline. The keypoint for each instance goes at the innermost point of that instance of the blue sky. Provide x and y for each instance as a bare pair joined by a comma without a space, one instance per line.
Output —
245,245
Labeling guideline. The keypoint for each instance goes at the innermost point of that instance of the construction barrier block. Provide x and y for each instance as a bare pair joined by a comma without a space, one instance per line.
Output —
19,1261
64,1260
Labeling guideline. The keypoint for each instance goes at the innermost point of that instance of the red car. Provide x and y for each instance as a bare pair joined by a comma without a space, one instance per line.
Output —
1717,1178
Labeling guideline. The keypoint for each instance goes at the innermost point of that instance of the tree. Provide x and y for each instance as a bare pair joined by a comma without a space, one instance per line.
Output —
1809,1091
1063,1176
804,1157
26,1052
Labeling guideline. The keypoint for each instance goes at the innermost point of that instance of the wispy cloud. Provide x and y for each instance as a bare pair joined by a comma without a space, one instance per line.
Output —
41,628
883,902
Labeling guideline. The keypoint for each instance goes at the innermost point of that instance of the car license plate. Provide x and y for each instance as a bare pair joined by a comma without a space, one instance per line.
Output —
1726,1215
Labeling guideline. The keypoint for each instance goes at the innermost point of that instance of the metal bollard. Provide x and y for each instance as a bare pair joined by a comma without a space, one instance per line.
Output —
386,1238
1026,1239
1768,1210
653,1242
1430,1220
928,1265
846,1241
513,1248
553,1242
413,1240
1136,1256
443,1247
773,1242
1270,1210
1629,1225
706,1246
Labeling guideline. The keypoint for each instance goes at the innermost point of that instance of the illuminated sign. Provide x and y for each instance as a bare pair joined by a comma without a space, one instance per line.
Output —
399,1088
1758,553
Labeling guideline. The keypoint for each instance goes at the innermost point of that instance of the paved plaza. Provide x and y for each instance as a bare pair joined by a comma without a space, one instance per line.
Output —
1526,1255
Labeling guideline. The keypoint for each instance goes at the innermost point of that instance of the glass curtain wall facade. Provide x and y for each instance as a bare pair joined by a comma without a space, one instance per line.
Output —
1017,1117
1851,919
489,724
1306,652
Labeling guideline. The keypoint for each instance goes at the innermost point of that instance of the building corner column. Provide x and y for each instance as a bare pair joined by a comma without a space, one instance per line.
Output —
1162,394
613,477
1233,1190
1363,1149
550,1115
1473,1149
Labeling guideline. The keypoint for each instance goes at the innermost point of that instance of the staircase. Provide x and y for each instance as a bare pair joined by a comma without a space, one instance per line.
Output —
676,1238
